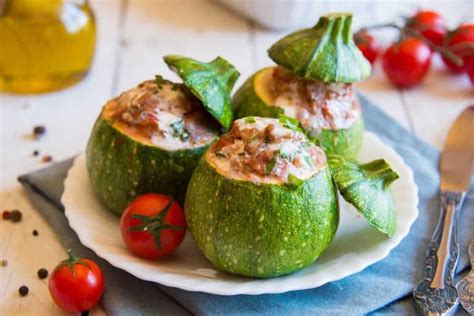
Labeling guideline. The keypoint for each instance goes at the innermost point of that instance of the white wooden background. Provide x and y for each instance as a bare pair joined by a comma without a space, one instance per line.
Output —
132,37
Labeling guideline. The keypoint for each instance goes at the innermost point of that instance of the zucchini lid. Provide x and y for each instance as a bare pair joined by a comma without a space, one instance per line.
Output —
210,82
367,188
325,52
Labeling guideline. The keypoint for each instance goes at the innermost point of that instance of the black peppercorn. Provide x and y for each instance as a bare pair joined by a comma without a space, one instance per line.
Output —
42,273
35,232
35,153
39,130
15,216
23,290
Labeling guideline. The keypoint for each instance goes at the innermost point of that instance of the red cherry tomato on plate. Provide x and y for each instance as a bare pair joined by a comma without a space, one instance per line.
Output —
76,284
430,24
406,62
153,225
461,43
368,45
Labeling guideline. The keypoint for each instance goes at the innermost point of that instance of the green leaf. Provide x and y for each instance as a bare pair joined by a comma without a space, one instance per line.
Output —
270,165
160,81
325,52
250,119
294,180
367,187
179,130
210,82
290,123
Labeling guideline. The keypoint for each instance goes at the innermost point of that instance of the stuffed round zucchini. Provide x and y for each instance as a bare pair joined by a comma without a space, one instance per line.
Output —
313,84
261,201
150,138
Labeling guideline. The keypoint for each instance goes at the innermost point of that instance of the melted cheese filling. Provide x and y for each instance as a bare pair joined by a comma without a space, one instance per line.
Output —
165,116
262,150
317,105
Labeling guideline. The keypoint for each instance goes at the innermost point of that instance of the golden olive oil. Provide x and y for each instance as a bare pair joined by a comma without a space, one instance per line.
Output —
45,45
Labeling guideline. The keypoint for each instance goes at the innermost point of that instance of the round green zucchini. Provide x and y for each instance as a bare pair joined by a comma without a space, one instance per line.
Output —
260,230
121,168
250,100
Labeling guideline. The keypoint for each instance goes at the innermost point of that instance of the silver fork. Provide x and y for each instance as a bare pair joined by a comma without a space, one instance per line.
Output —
465,287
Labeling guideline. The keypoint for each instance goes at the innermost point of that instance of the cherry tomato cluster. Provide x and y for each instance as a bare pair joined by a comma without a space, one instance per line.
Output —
407,61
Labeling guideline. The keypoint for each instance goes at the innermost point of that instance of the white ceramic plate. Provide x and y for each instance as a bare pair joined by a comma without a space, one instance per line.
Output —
356,245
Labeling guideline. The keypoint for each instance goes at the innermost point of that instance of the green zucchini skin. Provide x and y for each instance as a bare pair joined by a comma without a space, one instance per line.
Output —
325,52
260,230
121,168
344,142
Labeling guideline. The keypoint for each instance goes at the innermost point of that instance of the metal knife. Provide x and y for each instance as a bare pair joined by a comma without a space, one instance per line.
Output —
436,294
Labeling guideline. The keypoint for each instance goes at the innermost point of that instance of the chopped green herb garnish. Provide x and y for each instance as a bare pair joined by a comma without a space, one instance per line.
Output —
308,160
287,155
160,81
180,131
284,154
290,123
249,119
175,87
270,165
220,154
294,180
313,134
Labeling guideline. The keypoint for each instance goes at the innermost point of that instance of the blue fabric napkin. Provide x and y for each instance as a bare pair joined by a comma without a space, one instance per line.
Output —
381,289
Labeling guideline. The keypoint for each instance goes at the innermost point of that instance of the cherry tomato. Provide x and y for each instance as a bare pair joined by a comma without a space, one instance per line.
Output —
406,63
461,43
430,24
470,69
76,284
153,225
367,44
470,73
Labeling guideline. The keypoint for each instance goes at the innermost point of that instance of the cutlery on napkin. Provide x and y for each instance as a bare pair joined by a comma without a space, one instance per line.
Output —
436,294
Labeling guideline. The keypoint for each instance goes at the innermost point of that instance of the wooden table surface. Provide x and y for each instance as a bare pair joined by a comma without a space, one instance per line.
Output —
132,37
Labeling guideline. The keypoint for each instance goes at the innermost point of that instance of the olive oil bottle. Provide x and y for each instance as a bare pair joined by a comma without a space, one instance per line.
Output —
45,45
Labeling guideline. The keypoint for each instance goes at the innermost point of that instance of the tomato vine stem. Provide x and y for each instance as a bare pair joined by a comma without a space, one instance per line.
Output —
409,31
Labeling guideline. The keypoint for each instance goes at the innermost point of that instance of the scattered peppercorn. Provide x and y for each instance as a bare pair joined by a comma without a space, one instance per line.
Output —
4,263
42,273
15,216
23,290
35,232
6,215
35,153
47,158
39,130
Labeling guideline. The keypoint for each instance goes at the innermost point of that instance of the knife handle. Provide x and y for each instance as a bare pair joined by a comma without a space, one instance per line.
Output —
436,294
